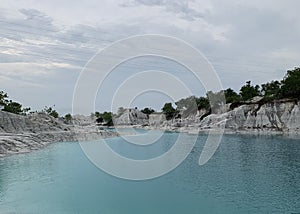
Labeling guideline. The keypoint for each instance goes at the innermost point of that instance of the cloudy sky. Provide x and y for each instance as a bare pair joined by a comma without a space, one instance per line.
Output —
45,44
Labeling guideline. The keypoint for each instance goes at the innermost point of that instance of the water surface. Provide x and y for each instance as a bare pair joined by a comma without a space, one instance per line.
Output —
248,174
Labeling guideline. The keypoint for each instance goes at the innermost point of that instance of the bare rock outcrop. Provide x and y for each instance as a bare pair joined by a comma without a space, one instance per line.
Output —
131,117
19,133
273,117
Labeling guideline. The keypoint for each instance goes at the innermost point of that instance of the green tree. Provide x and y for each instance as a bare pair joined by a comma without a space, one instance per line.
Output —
231,96
271,89
291,84
3,98
147,111
68,117
169,111
13,107
108,118
54,114
51,111
248,91
97,114
99,120
203,103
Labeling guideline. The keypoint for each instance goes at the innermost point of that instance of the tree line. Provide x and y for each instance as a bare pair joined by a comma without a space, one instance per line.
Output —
17,108
287,88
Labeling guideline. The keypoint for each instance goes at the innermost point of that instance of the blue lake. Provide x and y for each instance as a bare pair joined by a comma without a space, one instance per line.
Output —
247,174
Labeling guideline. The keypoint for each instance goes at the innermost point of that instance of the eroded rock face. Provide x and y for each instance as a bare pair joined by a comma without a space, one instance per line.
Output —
37,122
19,134
25,133
282,117
82,120
278,116
131,117
156,119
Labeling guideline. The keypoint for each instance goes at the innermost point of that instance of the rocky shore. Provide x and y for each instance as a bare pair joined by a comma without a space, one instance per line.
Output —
278,117
21,134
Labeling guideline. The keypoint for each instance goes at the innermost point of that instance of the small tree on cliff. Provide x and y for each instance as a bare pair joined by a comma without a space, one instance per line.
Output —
68,117
3,99
13,107
169,111
51,111
108,118
147,111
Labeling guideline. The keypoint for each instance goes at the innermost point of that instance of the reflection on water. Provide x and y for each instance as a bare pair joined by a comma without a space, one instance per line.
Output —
247,174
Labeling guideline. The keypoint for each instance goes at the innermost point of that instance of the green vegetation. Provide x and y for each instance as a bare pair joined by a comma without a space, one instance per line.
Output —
147,111
287,88
203,103
11,106
51,111
68,117
3,97
193,103
231,96
105,117
291,84
169,111
271,89
97,114
248,91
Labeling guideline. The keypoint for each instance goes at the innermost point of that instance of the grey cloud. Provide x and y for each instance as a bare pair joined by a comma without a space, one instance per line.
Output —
38,39
151,2
186,11
251,34
35,25
180,8
35,15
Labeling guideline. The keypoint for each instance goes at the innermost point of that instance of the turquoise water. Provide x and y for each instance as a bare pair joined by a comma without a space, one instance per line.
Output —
247,174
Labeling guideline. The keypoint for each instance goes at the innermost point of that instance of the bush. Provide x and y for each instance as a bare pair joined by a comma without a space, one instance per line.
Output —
50,111
13,107
148,111
68,117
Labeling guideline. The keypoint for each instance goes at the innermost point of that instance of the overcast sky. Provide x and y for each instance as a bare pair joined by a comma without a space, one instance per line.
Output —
45,44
